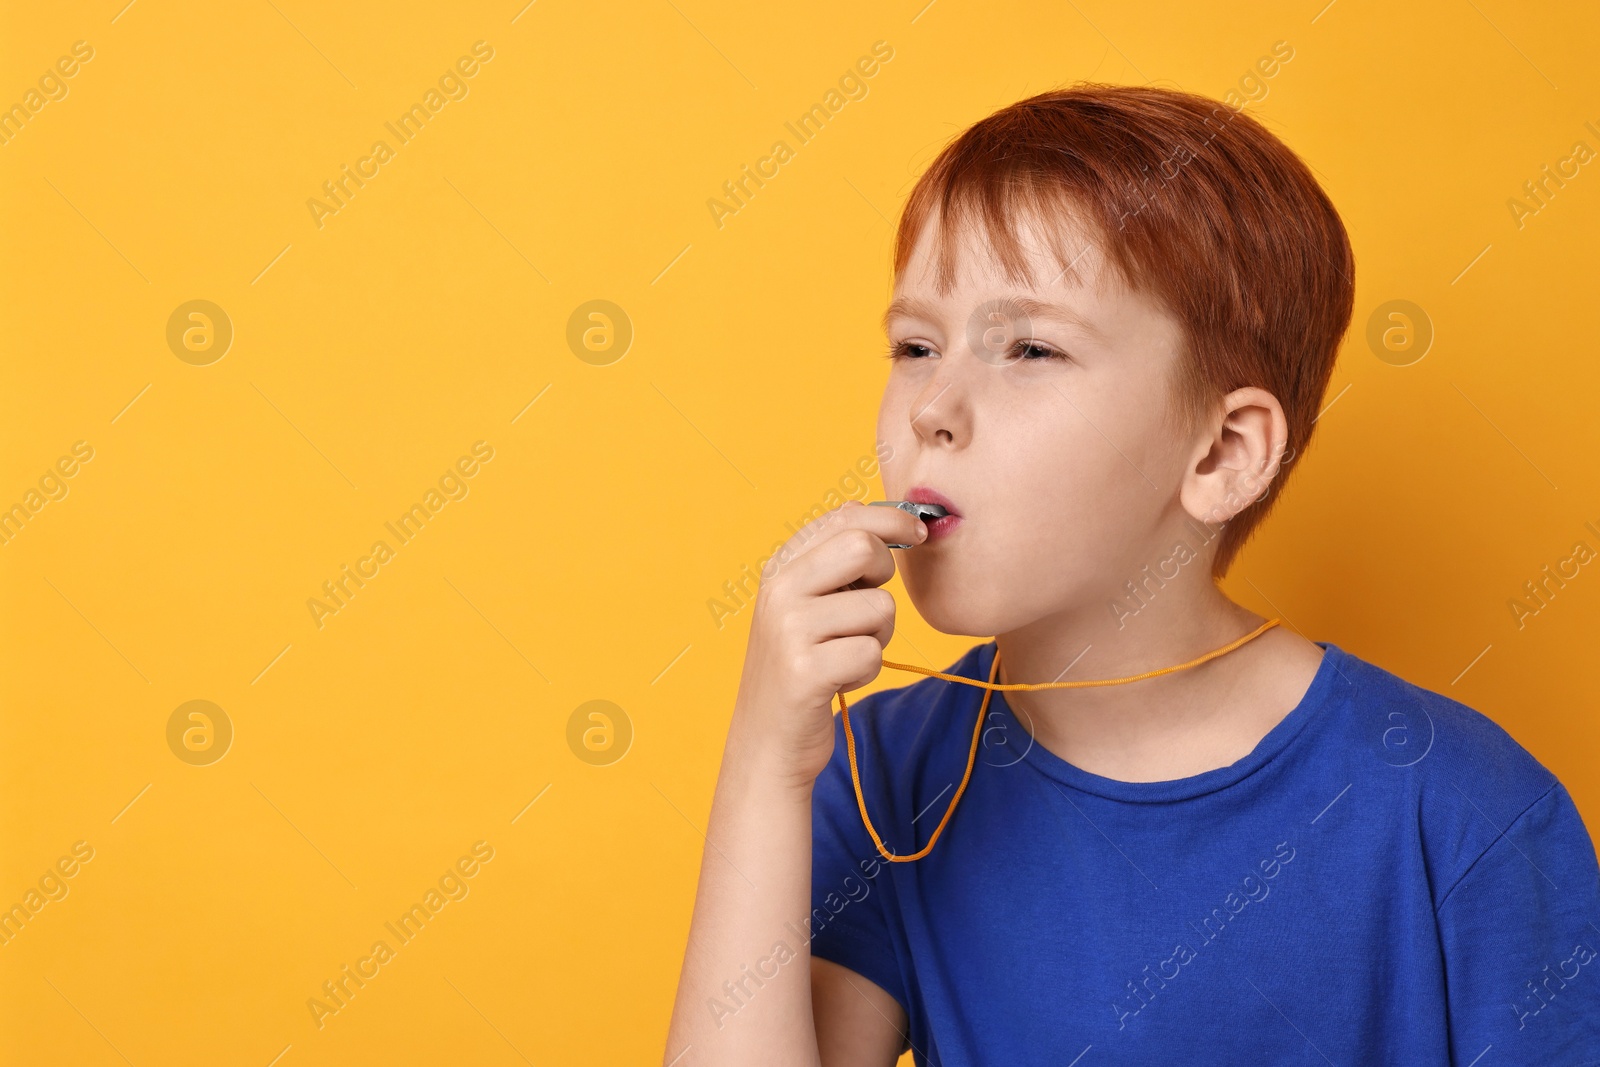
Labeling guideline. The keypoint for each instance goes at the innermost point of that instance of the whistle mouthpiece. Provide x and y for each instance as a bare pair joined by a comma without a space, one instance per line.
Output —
925,512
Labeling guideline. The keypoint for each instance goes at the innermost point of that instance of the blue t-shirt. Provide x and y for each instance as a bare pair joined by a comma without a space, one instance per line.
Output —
1388,878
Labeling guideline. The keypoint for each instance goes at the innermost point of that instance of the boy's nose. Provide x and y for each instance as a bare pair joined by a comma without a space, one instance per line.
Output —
939,413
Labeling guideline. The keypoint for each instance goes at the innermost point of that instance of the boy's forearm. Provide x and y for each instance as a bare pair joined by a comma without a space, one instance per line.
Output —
755,877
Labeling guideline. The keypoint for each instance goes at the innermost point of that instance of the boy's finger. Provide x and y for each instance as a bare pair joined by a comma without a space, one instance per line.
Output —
892,525
857,554
813,568
853,614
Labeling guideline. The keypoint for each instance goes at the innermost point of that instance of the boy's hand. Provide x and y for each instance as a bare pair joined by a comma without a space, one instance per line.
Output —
820,626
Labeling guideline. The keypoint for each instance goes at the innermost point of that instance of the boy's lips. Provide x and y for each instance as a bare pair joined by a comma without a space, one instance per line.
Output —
940,527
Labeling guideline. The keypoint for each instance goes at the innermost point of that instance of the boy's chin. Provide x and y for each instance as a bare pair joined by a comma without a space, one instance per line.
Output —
957,615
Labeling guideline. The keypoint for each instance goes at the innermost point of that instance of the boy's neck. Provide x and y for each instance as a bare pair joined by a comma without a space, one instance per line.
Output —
1172,726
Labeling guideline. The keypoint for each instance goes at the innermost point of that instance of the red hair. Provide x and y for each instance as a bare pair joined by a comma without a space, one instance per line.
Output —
1190,201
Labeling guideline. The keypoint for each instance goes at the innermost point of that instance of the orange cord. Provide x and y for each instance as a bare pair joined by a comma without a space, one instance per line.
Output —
977,731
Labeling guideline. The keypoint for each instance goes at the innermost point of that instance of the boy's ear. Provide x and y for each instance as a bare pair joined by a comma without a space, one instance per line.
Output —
1238,454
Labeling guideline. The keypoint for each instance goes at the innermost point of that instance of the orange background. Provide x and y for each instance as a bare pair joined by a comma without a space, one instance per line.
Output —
431,712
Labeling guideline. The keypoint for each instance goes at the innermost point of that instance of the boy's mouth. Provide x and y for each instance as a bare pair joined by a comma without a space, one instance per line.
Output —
944,525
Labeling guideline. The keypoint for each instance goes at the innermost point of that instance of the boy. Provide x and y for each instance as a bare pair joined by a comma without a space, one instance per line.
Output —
1116,311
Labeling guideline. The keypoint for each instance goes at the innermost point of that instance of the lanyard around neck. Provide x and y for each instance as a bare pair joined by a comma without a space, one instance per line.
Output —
983,711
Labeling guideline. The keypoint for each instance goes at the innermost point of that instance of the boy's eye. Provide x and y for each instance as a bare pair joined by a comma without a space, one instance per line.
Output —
1029,351
907,350
1033,350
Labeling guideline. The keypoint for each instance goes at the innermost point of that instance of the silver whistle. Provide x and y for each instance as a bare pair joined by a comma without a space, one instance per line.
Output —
925,512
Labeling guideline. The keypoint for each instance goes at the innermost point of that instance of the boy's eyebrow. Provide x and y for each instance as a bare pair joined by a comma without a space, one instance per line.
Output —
908,306
1020,305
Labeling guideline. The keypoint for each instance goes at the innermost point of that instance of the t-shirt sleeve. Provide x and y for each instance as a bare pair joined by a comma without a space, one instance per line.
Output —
1520,932
850,882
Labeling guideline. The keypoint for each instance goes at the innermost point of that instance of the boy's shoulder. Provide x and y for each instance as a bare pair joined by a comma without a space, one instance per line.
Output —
908,736
1448,743
1462,771
1455,771
918,716
1438,779
1404,724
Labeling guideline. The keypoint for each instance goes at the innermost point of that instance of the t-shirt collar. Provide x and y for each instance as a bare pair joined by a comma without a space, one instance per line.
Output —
1329,683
